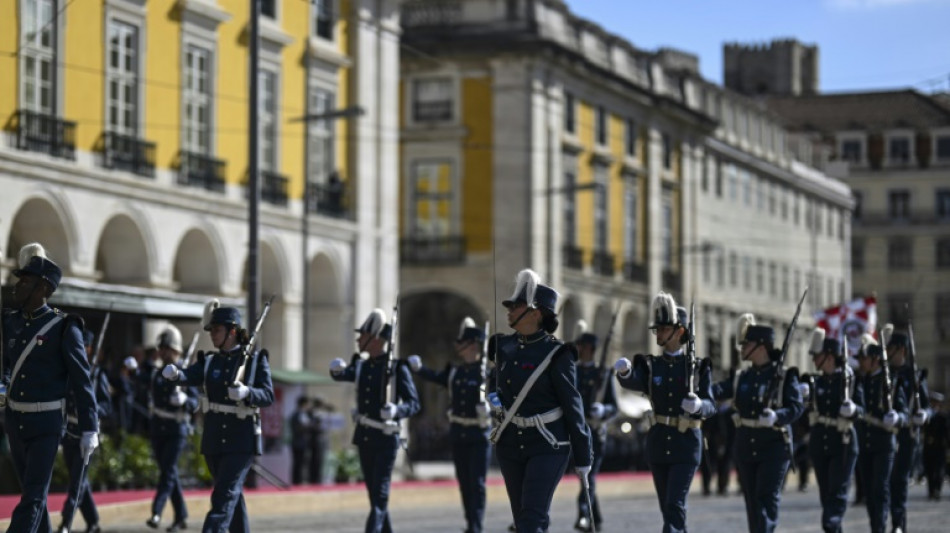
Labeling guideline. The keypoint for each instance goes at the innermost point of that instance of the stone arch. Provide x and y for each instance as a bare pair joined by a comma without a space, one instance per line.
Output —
635,333
122,254
273,277
570,314
601,327
198,264
42,220
327,329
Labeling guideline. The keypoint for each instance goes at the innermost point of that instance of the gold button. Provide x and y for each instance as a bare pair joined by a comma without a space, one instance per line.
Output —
223,440
224,426
522,446
508,381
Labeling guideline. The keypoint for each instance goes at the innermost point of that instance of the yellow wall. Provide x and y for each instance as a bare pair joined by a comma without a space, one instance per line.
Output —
478,155
9,66
163,83
344,98
584,201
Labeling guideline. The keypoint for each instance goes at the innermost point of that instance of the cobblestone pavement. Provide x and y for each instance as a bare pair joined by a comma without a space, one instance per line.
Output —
799,514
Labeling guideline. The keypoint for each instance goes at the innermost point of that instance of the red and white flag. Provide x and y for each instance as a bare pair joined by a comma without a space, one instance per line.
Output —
854,319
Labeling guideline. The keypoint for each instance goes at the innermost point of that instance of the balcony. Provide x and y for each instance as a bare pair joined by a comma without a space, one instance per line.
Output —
199,170
573,257
37,132
330,199
604,263
273,188
432,250
124,152
880,219
671,281
635,272
429,13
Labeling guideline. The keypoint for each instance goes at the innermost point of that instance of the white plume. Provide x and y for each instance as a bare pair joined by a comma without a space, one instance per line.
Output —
817,341
745,320
886,332
29,251
209,308
468,322
527,281
664,305
579,329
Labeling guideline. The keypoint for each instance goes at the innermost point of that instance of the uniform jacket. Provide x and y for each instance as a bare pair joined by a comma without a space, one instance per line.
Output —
464,394
903,377
225,432
516,357
100,383
663,380
589,380
371,396
872,438
57,363
749,393
826,401
160,392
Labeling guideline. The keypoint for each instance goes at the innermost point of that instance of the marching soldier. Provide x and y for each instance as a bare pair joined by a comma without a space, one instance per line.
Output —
469,418
763,421
232,430
674,441
902,375
834,402
300,429
936,442
883,409
600,405
377,413
170,407
79,489
541,420
43,356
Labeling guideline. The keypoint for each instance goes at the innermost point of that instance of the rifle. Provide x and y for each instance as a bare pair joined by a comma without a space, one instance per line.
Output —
391,391
483,386
845,376
888,401
604,369
776,384
190,352
101,339
691,350
237,375
915,382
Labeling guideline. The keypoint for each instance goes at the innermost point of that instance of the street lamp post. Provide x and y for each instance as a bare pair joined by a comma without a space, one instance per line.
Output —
253,180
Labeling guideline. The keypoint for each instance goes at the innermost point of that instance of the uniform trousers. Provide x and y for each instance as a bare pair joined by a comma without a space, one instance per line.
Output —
762,485
530,481
935,463
79,489
376,463
833,473
228,511
471,467
672,481
167,450
33,460
875,468
900,477
582,510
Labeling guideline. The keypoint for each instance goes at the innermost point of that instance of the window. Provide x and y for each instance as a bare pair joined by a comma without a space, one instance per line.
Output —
269,8
267,120
570,207
320,137
747,272
323,19
760,276
733,270
667,152
196,100
797,281
432,100
37,92
943,147
122,79
943,204
858,201
900,307
900,253
898,150
721,270
630,142
600,208
718,170
785,287
817,287
773,279
601,126
760,195
630,221
746,180
857,254
943,315
783,202
808,213
707,268
770,193
898,204
830,226
570,114
667,230
796,214
851,151
943,253
818,216
432,204
731,185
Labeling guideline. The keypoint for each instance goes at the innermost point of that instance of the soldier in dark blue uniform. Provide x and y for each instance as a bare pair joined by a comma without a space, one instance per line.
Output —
936,442
908,435
763,424
600,405
300,429
232,418
876,432
43,357
834,401
170,407
675,440
79,489
535,396
469,419
385,394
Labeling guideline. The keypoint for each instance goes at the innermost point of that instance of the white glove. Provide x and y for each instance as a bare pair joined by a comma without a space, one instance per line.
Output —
415,362
691,404
890,419
388,411
804,390
131,363
178,398
337,365
623,367
768,418
847,409
583,472
239,392
87,444
920,418
482,409
171,373
597,410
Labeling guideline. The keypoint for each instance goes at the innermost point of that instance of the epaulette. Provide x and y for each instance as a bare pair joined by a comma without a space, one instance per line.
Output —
264,353
705,364
570,348
792,371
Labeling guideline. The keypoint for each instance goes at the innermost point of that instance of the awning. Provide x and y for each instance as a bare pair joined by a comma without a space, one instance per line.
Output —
632,404
299,377
134,300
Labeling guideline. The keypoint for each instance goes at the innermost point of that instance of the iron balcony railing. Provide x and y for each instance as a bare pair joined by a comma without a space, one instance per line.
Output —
428,250
634,271
604,263
329,199
671,280
573,257
125,152
273,188
39,132
199,170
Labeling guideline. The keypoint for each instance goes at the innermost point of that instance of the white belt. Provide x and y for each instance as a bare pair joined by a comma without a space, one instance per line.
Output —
682,423
466,421
239,411
72,419
539,422
177,417
754,423
36,407
841,424
877,422
389,427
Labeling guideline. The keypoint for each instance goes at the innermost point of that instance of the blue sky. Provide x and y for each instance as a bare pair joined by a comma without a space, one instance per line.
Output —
863,44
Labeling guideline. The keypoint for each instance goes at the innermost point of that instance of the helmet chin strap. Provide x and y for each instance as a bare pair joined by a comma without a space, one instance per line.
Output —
668,338
523,313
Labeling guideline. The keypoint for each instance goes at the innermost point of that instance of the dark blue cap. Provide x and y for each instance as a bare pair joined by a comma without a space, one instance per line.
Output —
88,337
832,346
544,298
898,340
471,334
871,350
587,338
386,333
760,334
225,316
43,268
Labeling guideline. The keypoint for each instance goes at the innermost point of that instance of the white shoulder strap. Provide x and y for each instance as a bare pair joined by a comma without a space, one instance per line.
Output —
29,348
208,358
448,384
510,413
